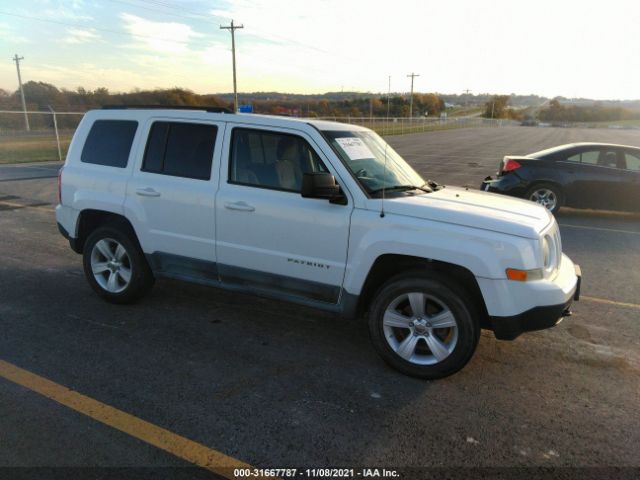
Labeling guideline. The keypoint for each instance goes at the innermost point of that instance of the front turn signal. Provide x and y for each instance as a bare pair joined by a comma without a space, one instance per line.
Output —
524,275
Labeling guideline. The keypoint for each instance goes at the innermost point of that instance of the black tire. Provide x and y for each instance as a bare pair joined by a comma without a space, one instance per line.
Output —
448,294
141,277
557,191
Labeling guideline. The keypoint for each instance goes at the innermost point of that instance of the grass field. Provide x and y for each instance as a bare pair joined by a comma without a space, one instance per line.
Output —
24,149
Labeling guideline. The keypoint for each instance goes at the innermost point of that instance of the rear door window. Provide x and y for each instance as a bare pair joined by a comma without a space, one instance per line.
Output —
109,143
180,149
590,157
632,161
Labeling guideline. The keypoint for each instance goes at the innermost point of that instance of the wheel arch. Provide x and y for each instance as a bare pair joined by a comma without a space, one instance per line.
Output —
387,266
89,220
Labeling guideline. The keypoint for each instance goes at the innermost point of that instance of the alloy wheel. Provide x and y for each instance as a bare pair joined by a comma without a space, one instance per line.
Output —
545,197
420,328
111,265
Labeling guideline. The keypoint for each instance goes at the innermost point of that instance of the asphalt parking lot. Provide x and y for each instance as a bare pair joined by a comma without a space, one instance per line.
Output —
277,385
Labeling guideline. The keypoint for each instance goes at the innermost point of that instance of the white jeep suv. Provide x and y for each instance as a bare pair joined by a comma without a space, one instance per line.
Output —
317,213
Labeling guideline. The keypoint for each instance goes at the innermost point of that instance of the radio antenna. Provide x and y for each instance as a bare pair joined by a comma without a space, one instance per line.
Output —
384,178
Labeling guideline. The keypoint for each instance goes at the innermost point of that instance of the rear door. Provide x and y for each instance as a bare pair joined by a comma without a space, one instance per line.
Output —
631,180
594,178
171,194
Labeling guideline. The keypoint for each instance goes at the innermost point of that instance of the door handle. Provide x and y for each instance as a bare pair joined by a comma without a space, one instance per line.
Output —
240,206
147,192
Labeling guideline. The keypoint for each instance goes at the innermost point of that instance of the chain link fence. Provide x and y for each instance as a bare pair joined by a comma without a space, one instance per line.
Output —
50,132
47,139
401,125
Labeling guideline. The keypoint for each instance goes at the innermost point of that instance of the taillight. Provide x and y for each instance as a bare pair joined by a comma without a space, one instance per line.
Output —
60,186
510,165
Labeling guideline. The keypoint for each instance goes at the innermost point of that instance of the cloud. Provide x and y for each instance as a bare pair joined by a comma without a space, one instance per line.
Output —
79,35
87,75
65,14
165,37
8,33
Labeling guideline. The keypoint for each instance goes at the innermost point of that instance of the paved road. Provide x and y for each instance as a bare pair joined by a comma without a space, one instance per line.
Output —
29,171
275,385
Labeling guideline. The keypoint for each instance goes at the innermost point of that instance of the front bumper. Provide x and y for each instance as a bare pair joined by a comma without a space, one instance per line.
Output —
537,318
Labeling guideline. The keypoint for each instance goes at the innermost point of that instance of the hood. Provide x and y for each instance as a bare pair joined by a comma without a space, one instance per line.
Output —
475,209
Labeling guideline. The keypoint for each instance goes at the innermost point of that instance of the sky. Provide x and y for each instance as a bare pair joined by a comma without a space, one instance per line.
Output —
562,47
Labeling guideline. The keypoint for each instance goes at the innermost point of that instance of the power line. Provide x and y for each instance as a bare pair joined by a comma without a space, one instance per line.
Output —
17,59
207,18
99,29
115,32
171,14
232,28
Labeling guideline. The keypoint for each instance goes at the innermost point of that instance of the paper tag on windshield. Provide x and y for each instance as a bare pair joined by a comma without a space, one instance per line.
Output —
354,147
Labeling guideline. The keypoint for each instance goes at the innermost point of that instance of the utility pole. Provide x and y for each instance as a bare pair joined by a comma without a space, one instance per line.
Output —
232,28
17,59
466,100
412,75
388,103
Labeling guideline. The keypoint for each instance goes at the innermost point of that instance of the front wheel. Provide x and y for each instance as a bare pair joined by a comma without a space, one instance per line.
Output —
422,327
547,195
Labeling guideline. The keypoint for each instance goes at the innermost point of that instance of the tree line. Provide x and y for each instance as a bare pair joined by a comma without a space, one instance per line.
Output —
499,107
40,95
597,112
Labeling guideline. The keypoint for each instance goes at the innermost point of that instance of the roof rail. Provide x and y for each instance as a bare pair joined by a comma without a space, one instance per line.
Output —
167,107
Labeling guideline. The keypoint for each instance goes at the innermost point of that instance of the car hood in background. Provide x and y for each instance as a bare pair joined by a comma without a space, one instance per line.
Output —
476,209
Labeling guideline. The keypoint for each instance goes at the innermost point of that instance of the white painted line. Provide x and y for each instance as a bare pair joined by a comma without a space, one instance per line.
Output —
610,302
601,229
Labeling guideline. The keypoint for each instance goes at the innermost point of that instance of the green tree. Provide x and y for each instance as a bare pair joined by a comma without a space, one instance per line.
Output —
496,107
40,94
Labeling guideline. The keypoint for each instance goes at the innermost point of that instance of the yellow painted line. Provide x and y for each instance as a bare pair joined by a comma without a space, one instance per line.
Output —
602,229
610,302
34,207
177,445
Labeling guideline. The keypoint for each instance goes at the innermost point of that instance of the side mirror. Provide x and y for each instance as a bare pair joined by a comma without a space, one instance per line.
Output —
322,185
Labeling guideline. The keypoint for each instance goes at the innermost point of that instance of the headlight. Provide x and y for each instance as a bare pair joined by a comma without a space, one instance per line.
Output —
546,252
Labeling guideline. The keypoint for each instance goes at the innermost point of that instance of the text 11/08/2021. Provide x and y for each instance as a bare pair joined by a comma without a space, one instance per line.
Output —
315,473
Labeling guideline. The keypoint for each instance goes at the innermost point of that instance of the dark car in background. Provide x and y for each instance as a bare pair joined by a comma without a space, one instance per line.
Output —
579,175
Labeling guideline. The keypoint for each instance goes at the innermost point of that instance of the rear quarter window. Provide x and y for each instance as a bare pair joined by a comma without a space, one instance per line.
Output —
109,143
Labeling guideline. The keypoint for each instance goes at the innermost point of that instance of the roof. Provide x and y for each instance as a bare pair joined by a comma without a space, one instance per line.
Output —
203,113
567,146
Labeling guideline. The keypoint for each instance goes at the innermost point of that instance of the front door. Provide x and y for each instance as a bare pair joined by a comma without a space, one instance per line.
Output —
269,238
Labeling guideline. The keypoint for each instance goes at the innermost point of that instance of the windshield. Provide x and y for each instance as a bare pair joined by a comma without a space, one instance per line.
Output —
363,152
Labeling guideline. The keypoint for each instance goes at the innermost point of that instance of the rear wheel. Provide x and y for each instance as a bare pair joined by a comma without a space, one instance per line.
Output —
547,195
115,266
423,326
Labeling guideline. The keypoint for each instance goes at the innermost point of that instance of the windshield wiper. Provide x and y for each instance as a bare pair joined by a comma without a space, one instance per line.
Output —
396,188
